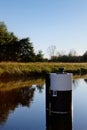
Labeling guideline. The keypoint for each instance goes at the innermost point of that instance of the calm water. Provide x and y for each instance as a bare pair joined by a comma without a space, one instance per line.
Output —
24,109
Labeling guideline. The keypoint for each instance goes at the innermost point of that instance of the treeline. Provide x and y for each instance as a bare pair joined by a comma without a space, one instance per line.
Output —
69,58
21,50
14,49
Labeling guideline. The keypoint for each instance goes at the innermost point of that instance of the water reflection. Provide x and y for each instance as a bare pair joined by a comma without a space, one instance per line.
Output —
76,82
85,80
9,100
30,102
59,122
40,88
76,120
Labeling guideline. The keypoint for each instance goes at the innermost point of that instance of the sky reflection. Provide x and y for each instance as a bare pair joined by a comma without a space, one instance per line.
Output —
24,108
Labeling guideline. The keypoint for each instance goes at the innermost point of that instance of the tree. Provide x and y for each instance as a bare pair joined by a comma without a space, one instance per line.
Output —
5,36
84,57
39,56
72,53
13,49
3,33
51,51
26,50
7,40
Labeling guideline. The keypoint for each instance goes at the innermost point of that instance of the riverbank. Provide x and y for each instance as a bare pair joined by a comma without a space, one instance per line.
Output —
11,70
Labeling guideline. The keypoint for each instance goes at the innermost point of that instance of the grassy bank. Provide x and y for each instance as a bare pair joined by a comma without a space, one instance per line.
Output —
17,75
19,70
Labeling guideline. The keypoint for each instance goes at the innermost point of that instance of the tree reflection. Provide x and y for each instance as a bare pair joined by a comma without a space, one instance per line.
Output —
75,83
85,80
40,88
9,100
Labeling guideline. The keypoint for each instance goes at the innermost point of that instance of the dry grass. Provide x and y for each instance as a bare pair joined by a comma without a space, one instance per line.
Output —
16,75
26,69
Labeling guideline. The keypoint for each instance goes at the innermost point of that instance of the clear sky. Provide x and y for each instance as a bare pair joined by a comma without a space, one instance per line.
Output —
62,23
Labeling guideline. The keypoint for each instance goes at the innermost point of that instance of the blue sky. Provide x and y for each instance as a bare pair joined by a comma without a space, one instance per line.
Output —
62,23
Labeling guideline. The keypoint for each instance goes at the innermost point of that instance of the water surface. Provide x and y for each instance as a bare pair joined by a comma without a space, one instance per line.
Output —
24,109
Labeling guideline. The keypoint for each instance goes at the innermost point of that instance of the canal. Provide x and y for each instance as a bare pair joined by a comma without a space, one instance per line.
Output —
24,109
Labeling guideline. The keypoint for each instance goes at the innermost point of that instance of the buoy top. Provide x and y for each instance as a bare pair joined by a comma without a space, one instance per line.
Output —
62,82
61,70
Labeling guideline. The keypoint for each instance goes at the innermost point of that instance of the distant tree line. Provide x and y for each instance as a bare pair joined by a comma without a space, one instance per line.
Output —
67,58
61,57
21,50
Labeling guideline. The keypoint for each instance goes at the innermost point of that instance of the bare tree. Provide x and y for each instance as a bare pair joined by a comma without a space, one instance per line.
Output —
72,53
51,51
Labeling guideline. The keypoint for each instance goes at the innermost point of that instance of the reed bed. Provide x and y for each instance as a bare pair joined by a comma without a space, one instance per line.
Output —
16,75
17,70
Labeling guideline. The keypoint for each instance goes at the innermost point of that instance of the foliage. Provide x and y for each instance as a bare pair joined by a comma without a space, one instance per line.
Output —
21,50
26,50
39,56
12,49
84,57
5,36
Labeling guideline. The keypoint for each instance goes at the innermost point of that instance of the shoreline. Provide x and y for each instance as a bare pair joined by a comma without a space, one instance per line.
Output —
14,70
